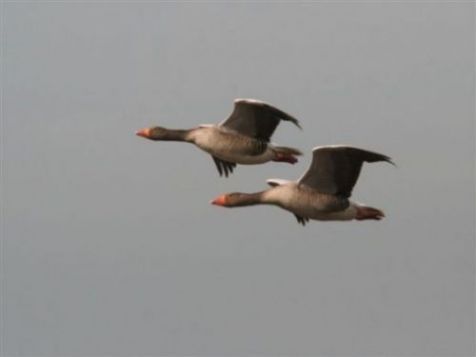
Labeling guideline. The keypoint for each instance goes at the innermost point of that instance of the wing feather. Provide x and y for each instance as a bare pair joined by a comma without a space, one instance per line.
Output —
256,119
334,170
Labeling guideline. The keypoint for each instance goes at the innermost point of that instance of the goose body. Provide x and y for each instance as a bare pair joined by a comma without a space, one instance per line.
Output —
322,193
230,146
243,138
305,202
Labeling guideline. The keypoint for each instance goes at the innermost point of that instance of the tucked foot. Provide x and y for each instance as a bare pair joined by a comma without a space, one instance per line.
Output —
286,154
364,213
282,157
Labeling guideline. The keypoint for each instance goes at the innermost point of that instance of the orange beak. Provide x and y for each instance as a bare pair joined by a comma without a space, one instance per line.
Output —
219,201
145,133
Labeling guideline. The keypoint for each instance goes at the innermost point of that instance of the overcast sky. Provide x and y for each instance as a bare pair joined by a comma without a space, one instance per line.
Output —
109,243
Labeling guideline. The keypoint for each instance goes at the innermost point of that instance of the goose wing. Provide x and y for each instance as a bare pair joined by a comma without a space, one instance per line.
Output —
335,169
256,119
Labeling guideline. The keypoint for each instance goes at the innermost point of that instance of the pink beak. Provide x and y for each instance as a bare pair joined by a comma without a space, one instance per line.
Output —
145,133
219,201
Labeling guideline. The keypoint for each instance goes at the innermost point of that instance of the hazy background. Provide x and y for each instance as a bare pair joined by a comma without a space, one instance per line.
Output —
109,244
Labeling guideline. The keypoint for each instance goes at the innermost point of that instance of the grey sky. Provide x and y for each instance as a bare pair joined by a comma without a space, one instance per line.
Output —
109,244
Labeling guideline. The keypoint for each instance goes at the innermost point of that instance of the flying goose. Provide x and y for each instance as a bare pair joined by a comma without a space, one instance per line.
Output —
322,193
243,138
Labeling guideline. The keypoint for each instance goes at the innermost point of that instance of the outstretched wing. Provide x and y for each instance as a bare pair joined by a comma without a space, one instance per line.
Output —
335,169
256,119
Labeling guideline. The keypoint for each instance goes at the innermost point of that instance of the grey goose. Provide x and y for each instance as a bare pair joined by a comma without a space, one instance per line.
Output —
243,138
322,193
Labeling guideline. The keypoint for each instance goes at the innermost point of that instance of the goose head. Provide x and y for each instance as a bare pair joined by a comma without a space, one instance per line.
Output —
237,199
154,133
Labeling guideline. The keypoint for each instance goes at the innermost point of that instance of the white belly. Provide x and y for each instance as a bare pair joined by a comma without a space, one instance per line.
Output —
268,155
315,213
344,215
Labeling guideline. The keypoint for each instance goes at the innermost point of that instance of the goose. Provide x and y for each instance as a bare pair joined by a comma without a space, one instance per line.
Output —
322,193
243,138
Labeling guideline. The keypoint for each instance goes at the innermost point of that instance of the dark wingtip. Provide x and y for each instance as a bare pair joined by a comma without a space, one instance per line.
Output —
292,120
371,156
390,161
297,124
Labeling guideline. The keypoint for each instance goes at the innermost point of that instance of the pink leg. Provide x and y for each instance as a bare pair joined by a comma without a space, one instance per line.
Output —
364,213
